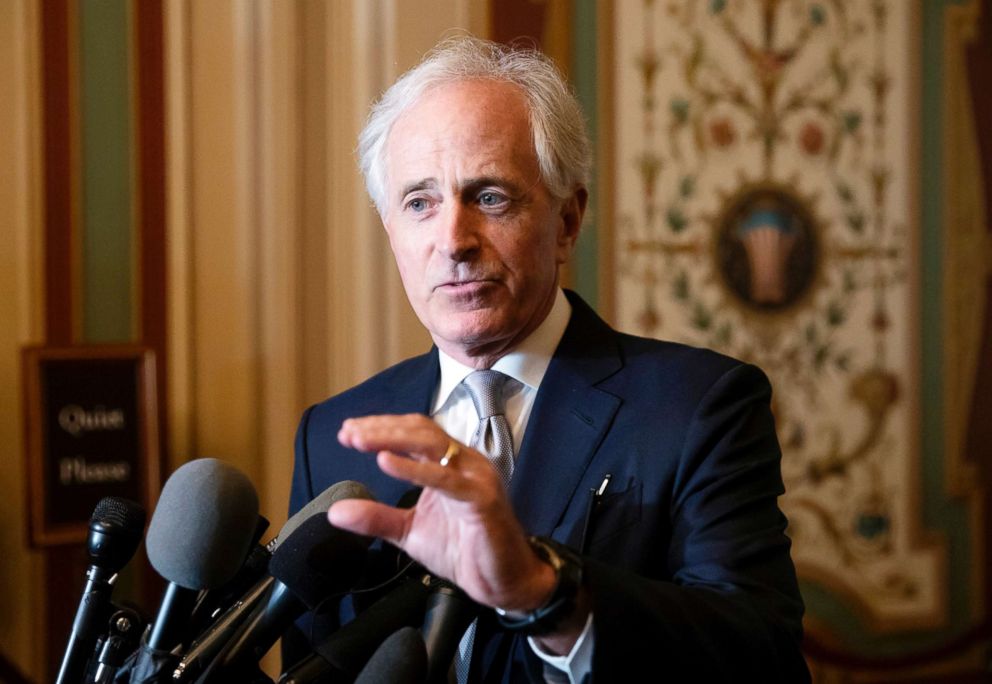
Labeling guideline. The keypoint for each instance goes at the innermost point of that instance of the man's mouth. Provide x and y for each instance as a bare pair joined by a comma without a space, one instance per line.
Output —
465,284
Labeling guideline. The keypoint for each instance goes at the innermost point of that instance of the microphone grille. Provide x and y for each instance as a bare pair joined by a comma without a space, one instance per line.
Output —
115,532
119,513
203,525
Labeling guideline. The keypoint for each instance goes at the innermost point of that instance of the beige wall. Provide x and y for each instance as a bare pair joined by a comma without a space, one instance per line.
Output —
21,321
282,290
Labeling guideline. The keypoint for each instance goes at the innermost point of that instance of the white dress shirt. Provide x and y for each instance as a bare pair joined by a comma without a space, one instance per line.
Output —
454,411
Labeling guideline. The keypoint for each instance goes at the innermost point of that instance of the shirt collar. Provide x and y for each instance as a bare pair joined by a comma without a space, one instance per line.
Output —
526,363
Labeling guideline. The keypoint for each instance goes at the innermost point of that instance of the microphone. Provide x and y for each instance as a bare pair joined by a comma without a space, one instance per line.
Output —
212,603
123,637
206,647
402,659
346,489
199,535
347,650
315,562
115,532
449,613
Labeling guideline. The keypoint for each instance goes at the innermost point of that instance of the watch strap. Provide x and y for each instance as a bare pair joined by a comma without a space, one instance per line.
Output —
568,580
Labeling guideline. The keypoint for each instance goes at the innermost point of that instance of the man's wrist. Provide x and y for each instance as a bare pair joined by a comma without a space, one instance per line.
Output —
561,604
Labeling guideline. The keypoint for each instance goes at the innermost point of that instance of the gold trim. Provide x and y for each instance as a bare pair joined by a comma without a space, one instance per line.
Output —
964,233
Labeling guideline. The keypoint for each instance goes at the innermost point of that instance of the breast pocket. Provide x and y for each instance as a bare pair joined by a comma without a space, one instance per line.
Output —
616,513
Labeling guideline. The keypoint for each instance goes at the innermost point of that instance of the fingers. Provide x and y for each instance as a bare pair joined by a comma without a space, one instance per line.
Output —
370,518
458,481
463,526
413,434
411,448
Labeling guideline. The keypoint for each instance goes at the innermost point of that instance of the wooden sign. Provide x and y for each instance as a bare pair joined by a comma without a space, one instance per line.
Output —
91,421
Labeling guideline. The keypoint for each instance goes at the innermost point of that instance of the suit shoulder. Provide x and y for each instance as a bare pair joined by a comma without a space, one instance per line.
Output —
589,335
690,371
638,349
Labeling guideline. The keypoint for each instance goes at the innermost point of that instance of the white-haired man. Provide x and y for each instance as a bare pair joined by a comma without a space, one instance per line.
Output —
611,498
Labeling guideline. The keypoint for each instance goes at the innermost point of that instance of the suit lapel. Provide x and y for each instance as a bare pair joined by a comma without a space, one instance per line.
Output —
569,420
413,390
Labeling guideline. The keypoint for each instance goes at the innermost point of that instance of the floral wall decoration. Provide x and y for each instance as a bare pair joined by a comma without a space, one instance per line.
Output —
763,188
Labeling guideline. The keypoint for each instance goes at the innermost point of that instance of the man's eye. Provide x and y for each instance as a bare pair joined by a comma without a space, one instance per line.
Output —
417,204
491,199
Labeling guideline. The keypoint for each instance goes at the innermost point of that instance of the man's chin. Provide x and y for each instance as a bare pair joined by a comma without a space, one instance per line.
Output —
467,331
471,316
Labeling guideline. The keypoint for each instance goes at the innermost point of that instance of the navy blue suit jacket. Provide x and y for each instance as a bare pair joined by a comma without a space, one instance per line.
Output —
688,564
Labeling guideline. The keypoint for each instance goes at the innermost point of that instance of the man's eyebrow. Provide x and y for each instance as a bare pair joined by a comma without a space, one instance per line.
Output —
472,184
425,184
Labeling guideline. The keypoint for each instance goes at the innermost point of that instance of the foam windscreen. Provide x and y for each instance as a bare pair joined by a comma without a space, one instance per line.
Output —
402,659
203,525
347,489
318,560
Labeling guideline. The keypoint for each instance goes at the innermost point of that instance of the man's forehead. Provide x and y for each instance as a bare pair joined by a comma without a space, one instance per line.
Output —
476,129
494,106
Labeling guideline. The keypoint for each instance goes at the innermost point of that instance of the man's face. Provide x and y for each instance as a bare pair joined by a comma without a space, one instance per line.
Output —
476,235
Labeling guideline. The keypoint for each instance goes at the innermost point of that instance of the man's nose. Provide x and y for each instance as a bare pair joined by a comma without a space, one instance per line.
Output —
458,237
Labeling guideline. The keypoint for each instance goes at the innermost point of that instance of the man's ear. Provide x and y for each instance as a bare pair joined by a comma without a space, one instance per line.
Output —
572,210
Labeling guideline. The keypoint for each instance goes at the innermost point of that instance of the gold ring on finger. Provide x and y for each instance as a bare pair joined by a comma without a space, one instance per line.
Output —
449,455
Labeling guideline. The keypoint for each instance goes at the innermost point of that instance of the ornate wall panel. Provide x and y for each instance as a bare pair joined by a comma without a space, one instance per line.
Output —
765,169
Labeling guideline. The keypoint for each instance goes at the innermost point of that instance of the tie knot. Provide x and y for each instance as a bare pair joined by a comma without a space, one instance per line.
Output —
486,389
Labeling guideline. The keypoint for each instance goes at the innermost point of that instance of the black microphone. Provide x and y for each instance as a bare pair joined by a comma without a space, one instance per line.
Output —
123,637
313,564
199,535
115,532
402,659
346,489
346,651
214,602
206,646
449,613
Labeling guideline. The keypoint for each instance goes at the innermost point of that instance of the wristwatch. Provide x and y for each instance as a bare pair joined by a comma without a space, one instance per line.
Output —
568,579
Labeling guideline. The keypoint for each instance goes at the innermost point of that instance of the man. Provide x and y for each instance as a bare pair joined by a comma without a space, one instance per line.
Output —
648,471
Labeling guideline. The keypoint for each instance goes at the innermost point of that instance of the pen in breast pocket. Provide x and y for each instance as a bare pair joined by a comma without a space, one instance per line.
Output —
595,495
